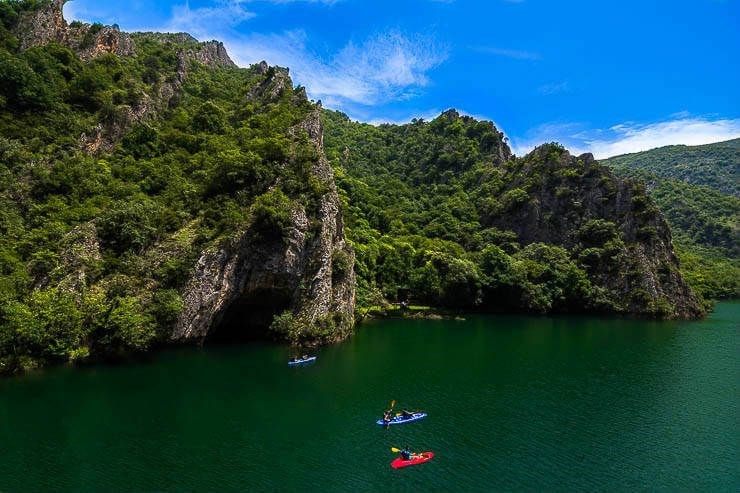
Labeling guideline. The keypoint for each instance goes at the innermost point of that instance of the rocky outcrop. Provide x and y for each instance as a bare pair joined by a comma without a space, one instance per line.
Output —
43,26
556,198
274,84
88,41
308,275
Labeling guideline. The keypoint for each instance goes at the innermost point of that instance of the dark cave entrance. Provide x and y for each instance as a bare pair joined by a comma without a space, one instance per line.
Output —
248,318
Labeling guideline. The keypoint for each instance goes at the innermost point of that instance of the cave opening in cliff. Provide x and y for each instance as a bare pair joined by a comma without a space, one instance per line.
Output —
248,318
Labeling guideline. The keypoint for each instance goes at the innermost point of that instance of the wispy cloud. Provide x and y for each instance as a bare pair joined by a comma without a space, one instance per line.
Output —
516,54
78,11
202,21
381,68
554,88
630,136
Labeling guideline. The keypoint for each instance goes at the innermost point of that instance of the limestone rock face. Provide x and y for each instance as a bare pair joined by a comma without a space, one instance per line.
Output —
44,26
570,192
300,275
88,41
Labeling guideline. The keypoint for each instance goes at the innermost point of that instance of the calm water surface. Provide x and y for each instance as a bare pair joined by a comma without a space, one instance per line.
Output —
514,403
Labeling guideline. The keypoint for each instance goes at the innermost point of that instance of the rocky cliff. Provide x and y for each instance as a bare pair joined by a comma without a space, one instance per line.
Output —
309,276
612,225
47,25
202,206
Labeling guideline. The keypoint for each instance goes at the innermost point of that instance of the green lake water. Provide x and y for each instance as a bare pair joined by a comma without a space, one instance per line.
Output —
514,403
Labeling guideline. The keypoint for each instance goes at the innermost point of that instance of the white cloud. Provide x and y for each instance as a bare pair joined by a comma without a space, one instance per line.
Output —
688,131
554,88
87,13
388,66
516,54
630,137
201,22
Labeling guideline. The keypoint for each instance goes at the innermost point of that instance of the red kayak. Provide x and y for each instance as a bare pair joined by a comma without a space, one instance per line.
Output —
399,462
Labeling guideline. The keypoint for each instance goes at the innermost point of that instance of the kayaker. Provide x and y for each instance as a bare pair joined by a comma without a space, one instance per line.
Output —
387,416
406,453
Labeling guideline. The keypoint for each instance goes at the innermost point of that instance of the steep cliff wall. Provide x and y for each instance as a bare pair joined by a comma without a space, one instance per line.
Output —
574,202
309,276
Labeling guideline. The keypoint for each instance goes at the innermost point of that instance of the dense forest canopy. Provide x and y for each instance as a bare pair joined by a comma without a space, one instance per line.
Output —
443,209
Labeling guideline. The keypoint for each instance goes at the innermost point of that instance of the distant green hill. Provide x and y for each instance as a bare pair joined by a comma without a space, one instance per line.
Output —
716,166
696,188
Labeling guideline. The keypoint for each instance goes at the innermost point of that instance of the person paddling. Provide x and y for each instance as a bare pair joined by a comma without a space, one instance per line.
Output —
406,453
387,417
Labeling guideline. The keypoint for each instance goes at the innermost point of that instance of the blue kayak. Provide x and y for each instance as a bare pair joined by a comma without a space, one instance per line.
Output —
302,361
399,420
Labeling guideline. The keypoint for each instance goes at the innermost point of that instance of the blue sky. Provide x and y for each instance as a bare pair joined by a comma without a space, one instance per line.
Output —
596,75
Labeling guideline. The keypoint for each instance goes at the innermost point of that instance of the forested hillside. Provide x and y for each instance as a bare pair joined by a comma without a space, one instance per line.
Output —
716,166
697,189
443,209
120,172
152,192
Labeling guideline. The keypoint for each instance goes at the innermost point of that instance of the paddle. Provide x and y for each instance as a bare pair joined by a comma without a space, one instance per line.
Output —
395,450
412,412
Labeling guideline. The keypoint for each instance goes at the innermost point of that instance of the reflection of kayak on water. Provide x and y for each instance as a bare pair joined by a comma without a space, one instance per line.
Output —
415,459
300,361
401,419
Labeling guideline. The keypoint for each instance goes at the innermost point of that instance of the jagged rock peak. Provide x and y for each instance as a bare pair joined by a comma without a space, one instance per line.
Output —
47,25
641,272
311,273
213,53
261,67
